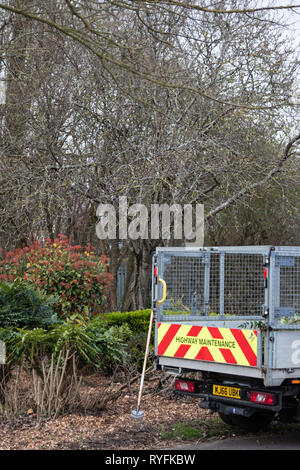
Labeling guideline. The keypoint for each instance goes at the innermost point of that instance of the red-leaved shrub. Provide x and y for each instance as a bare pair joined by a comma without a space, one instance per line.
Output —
73,273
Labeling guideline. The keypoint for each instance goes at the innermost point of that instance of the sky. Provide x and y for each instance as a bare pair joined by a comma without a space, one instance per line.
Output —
292,16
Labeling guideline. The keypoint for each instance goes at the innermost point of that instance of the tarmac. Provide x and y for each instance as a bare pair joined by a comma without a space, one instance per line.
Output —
287,441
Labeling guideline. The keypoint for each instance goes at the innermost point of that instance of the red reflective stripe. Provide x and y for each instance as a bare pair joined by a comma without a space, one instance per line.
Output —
163,345
215,332
245,347
228,356
182,350
158,325
194,331
204,355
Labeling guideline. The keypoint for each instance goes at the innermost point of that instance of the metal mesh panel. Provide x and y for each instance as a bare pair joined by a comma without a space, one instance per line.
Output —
243,284
185,280
290,286
214,283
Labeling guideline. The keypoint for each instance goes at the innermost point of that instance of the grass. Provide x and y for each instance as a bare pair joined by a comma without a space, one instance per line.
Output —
214,427
183,431
196,429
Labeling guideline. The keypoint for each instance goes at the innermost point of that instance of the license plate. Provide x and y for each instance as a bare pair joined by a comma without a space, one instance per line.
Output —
223,391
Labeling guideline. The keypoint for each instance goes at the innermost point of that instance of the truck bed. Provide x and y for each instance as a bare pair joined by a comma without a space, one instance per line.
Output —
229,310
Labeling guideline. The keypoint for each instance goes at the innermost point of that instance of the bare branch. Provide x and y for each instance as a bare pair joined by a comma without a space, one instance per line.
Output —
222,11
93,46
285,156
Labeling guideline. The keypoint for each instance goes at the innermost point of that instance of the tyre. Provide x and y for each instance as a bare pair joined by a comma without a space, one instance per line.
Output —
289,410
226,418
257,422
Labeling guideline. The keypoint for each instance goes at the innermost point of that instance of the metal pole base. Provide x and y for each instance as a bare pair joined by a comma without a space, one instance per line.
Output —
137,414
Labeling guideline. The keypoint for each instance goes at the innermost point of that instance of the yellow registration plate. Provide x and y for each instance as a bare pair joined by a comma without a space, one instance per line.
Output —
223,391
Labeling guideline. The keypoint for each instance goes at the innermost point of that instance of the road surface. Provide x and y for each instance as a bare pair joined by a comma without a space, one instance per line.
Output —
285,441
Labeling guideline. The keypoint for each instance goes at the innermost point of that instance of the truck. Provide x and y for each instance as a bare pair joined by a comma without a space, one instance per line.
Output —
227,325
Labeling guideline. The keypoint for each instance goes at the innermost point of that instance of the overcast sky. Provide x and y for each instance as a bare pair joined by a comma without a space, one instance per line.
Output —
292,16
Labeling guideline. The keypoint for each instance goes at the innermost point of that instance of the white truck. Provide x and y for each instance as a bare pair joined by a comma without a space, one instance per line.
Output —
227,324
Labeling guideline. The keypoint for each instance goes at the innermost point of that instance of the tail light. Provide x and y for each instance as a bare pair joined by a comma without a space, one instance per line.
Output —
185,385
262,398
266,277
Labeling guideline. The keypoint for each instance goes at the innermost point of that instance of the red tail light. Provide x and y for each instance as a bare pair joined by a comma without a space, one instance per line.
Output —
262,398
184,385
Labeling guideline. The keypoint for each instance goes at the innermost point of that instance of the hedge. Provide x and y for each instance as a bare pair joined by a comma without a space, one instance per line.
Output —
137,321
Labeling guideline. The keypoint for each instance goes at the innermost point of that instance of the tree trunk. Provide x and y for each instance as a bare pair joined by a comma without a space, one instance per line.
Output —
137,294
17,95
114,263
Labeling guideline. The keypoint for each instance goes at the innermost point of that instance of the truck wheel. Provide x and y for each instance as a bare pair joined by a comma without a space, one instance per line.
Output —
256,422
226,418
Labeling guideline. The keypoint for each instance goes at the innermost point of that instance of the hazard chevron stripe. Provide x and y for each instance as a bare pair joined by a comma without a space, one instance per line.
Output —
203,343
245,346
167,339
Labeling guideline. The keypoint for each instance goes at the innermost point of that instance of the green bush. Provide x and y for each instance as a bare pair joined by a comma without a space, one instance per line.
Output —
90,345
104,342
134,335
55,357
137,321
25,306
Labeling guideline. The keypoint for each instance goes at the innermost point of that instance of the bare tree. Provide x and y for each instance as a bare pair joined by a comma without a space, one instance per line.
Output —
158,101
